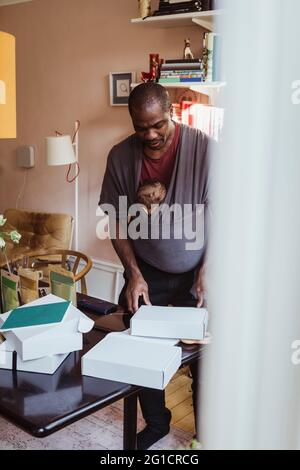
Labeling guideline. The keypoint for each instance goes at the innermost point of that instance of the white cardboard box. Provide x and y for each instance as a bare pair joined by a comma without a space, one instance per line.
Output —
49,382
129,360
45,365
41,341
170,322
40,346
6,356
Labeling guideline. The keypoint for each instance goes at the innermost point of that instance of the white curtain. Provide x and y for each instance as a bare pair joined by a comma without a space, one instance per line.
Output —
251,392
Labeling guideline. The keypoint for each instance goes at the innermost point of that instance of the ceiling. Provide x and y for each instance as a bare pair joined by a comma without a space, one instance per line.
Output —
11,2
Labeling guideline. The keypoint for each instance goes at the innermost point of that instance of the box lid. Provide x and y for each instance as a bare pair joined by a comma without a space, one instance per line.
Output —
129,360
170,322
128,350
83,323
29,316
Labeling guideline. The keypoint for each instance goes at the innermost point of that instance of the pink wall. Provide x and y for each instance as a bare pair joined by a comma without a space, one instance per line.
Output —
65,51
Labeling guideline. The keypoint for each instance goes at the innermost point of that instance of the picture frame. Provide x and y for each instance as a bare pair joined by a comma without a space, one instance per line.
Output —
120,87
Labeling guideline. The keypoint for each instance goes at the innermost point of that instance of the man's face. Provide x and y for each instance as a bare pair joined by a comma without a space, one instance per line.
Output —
152,125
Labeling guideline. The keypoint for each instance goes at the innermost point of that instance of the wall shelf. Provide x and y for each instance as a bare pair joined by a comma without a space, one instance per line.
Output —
205,19
209,89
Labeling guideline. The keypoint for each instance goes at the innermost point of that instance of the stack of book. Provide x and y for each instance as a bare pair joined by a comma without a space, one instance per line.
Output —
182,71
172,7
208,119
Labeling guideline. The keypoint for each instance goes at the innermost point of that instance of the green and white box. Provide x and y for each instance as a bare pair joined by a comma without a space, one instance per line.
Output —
34,342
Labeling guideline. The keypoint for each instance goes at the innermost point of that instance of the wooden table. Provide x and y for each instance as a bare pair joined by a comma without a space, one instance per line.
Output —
42,404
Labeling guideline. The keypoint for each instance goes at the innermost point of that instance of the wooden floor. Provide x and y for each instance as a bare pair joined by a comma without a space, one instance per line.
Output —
179,401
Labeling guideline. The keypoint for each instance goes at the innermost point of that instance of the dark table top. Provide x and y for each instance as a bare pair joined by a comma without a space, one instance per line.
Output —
42,403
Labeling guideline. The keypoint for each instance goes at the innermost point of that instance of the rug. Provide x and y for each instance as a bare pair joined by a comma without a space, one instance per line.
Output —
102,430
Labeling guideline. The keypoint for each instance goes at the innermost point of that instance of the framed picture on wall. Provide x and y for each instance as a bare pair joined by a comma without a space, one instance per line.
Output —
120,87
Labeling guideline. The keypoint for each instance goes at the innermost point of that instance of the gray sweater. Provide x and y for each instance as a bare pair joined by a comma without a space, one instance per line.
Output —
189,185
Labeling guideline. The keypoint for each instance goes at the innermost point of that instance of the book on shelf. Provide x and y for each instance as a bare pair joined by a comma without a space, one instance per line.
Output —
182,66
182,75
179,80
180,4
206,4
183,61
208,119
216,75
167,8
181,71
176,1
175,12
212,56
172,2
192,5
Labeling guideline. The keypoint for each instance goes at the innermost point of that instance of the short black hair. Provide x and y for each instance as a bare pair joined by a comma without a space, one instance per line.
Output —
147,93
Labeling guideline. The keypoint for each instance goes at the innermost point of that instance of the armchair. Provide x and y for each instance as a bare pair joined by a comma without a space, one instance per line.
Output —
40,231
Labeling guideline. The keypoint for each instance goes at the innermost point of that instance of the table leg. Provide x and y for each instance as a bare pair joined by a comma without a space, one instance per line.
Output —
130,422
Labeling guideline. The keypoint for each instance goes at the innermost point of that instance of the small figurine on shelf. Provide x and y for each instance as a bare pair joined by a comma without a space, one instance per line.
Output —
153,75
187,52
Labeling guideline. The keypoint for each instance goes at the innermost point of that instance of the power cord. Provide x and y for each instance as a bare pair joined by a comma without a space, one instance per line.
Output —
77,164
22,188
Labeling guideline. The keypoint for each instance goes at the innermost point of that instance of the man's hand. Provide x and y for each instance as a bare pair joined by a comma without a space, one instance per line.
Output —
200,288
137,286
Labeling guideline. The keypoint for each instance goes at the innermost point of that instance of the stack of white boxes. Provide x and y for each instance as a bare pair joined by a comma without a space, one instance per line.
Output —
43,348
146,355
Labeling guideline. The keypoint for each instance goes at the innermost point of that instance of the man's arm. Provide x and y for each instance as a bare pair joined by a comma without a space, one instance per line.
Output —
200,285
137,285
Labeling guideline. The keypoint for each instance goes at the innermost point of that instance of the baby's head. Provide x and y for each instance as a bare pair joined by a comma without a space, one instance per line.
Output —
151,193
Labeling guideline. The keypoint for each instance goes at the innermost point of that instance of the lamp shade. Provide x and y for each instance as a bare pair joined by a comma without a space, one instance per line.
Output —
8,126
2,92
60,150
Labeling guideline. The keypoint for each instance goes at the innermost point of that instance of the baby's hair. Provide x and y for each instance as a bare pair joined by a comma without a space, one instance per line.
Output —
157,195
150,182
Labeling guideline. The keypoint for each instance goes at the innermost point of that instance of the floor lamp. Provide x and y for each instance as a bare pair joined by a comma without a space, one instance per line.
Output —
63,150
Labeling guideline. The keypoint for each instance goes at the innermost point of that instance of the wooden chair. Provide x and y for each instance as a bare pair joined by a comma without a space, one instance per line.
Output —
69,260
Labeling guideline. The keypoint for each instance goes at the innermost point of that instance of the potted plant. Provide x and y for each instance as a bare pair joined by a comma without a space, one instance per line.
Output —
13,235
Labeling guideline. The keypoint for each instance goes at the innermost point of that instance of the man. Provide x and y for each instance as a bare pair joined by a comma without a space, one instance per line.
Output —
158,271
